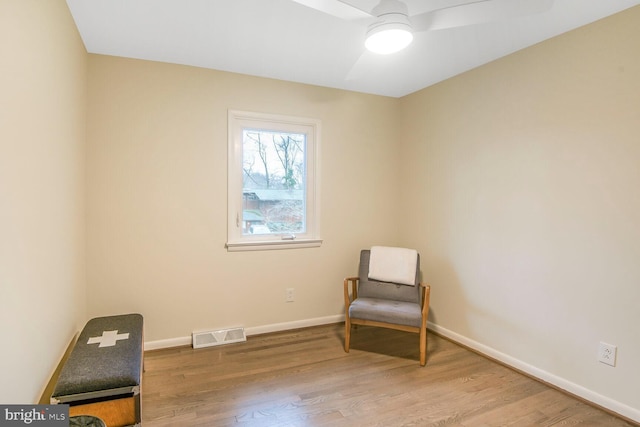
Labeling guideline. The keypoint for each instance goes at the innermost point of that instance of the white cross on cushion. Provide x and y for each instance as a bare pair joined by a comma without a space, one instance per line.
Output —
108,338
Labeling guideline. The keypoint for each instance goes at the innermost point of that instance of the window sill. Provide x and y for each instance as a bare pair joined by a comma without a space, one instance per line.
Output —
273,245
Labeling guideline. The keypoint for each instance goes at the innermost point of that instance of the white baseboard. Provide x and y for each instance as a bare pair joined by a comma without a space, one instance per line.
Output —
171,342
254,330
296,324
568,386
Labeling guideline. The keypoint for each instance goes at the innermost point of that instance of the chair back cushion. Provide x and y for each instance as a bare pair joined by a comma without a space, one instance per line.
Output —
369,288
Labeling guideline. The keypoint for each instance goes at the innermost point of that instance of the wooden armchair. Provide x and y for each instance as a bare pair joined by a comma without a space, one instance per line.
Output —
386,304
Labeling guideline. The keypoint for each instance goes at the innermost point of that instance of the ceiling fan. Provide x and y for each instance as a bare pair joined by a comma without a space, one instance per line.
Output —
391,28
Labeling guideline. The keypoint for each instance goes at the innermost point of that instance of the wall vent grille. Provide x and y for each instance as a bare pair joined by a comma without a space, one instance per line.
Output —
219,337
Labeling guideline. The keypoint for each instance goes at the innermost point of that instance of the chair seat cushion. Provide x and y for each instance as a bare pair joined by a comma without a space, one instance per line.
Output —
388,311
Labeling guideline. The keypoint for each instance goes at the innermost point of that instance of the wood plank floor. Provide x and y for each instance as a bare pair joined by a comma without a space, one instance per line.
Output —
303,378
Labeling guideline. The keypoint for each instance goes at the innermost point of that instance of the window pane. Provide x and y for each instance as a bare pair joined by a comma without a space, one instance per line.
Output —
273,182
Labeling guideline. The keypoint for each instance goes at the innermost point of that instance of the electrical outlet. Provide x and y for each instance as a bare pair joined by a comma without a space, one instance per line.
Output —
607,353
289,295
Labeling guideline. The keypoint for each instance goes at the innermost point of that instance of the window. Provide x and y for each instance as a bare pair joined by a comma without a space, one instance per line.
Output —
272,194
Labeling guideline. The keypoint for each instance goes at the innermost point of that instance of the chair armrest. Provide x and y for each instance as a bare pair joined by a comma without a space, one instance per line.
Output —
354,290
426,295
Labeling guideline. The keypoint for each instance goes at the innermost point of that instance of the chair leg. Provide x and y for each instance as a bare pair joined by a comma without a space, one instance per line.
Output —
423,346
347,334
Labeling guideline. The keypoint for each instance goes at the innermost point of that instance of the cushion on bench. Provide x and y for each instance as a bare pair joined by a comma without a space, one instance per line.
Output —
106,360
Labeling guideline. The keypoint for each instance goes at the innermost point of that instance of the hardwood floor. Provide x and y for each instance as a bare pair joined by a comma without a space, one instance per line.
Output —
304,378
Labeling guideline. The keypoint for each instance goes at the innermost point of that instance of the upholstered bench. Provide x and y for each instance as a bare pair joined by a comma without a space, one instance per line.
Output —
103,374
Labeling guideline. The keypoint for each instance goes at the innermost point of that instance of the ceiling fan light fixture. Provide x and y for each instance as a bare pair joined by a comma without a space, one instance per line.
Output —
389,37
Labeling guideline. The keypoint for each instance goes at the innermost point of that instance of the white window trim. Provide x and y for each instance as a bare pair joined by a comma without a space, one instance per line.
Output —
236,241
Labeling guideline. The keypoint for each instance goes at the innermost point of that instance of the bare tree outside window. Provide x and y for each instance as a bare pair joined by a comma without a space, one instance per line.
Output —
273,182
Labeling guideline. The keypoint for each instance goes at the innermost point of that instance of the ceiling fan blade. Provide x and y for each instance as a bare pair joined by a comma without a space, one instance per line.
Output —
336,8
478,12
359,68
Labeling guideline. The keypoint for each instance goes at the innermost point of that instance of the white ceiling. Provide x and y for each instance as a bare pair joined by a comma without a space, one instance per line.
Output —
284,40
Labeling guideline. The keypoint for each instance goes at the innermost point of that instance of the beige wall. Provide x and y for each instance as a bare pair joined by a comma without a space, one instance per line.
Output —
157,211
42,126
524,176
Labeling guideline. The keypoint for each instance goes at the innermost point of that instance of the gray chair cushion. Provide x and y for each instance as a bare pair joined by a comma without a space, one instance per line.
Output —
383,310
383,290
